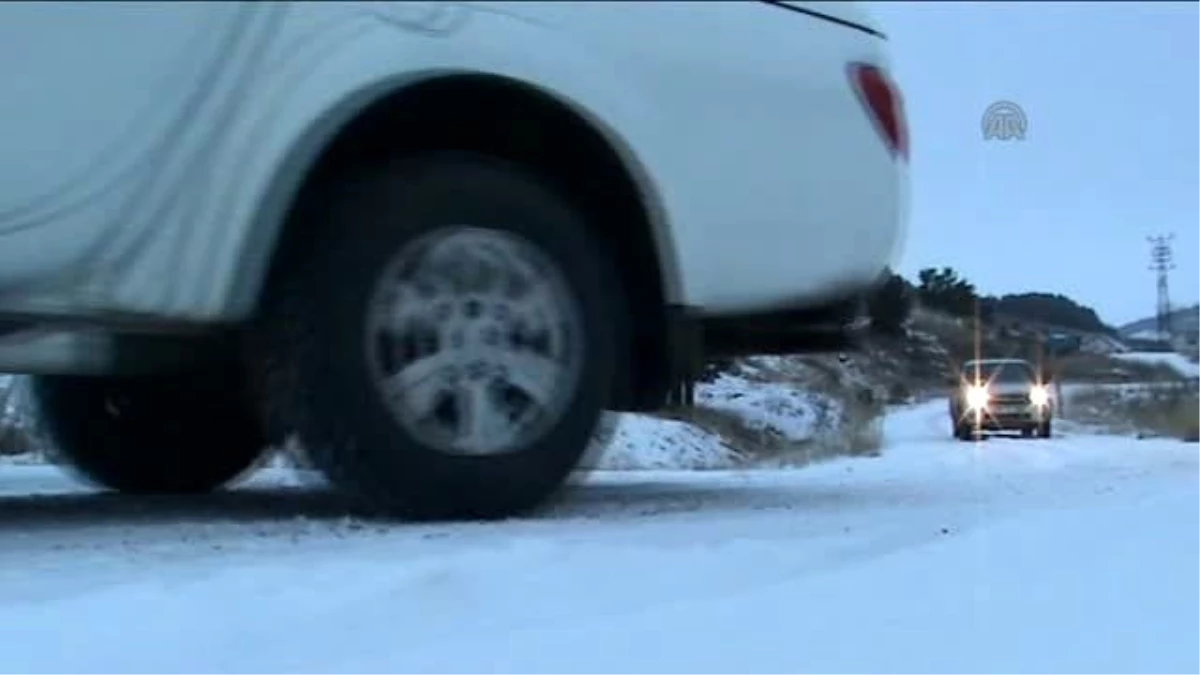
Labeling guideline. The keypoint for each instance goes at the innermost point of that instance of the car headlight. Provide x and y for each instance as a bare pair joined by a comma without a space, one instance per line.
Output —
1039,396
977,397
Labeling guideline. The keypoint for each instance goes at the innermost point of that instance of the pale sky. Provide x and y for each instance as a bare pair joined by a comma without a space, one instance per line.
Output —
1112,97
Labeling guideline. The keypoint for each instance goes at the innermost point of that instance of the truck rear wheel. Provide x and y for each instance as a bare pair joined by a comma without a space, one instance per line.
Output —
150,435
444,333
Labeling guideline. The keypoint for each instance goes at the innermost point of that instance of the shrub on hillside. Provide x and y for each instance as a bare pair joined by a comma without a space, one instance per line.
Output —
944,290
889,305
1050,309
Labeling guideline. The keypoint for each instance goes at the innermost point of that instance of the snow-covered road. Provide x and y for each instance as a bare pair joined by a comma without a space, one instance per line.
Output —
1080,553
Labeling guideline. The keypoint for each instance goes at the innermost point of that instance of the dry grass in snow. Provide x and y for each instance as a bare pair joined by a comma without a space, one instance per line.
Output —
766,411
1161,410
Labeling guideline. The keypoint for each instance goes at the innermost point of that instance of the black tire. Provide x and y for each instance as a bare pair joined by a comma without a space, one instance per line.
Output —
314,334
962,432
1028,432
1045,429
602,438
182,434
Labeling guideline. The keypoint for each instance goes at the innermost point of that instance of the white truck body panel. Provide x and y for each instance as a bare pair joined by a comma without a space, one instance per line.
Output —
151,149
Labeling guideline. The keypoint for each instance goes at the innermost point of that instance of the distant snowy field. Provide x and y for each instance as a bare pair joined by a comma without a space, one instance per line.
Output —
1178,362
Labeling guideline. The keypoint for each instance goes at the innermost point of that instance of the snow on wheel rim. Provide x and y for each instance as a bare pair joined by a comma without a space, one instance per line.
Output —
474,341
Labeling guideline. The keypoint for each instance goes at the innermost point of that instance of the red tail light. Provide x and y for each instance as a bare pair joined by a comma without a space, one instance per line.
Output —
884,105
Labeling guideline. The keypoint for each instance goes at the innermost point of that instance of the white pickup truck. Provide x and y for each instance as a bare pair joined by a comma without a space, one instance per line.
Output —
435,240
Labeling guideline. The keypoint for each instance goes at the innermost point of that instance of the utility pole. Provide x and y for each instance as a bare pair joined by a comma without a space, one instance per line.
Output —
1161,263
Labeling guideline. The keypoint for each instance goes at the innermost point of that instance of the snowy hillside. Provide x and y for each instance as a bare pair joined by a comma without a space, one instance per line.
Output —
1183,319
1177,362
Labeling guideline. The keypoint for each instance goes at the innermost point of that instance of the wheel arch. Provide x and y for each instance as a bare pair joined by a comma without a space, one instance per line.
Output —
515,120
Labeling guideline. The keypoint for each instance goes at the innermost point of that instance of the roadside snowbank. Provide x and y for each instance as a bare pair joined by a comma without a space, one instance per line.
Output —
765,410
643,442
776,409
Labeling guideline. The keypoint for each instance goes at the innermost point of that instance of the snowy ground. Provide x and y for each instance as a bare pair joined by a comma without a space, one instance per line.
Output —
1075,554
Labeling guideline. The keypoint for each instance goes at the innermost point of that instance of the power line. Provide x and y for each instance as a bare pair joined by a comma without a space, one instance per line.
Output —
1161,263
